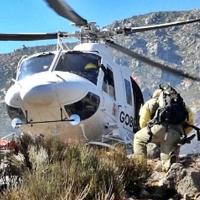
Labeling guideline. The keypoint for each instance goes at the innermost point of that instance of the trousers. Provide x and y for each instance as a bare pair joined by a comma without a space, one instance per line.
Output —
167,141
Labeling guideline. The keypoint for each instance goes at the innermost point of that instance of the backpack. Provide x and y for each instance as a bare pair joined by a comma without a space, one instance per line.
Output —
170,107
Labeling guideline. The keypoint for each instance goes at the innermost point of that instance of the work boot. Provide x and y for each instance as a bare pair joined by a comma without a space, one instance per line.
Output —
167,164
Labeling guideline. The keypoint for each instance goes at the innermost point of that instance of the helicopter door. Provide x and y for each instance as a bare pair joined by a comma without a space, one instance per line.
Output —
109,93
139,101
127,111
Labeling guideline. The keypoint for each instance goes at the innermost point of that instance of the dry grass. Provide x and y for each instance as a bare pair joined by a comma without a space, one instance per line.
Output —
58,171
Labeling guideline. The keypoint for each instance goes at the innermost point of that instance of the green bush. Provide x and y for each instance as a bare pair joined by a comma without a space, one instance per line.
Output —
60,171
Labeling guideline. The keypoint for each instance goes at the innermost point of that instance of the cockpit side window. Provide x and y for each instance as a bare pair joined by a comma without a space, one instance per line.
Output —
82,64
108,83
35,65
127,86
85,108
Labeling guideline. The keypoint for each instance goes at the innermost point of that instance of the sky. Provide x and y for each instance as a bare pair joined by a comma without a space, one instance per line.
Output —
32,16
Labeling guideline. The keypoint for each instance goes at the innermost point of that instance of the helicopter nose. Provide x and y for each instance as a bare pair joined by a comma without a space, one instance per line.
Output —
12,97
39,95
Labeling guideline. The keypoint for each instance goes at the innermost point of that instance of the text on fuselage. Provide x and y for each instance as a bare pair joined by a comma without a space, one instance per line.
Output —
126,119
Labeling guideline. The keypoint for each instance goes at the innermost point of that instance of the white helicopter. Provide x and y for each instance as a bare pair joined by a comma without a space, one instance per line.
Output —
79,94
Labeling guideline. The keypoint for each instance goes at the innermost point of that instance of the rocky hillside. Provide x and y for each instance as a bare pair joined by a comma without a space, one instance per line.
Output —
177,47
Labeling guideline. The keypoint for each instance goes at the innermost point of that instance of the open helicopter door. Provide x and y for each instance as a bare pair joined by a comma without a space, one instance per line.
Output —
108,83
118,101
138,102
131,99
127,109
108,88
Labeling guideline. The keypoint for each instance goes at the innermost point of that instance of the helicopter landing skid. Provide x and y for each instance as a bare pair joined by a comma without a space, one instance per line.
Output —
102,144
129,149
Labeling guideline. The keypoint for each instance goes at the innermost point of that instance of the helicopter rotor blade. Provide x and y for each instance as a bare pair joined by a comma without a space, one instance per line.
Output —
27,36
129,30
150,62
64,10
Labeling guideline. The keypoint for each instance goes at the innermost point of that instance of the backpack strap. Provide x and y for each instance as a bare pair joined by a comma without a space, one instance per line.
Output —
160,86
187,139
197,129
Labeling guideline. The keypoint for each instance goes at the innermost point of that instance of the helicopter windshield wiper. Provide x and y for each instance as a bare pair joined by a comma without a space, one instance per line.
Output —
44,54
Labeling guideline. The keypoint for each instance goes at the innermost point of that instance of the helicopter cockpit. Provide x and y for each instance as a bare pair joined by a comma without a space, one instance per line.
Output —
82,64
34,65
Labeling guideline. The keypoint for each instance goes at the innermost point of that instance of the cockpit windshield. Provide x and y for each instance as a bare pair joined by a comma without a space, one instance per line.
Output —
82,64
35,65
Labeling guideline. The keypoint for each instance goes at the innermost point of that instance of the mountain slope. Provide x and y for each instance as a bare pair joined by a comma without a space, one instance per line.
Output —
178,47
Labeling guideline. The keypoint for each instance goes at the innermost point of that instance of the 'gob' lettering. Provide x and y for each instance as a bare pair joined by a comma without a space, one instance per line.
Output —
125,118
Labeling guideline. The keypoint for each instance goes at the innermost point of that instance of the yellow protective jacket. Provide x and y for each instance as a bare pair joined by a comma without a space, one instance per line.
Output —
149,106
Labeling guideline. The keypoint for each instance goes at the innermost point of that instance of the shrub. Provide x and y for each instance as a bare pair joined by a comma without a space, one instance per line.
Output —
60,171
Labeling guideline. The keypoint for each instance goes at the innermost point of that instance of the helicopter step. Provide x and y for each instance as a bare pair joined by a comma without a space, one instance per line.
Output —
113,139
